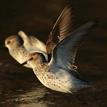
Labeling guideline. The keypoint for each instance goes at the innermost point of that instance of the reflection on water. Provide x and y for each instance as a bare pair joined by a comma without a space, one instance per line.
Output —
19,87
31,98
22,89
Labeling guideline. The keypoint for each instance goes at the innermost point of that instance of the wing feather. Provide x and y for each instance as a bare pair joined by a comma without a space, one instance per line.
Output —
64,53
61,28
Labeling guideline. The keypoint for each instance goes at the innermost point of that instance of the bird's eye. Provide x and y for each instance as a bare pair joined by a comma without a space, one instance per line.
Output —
8,42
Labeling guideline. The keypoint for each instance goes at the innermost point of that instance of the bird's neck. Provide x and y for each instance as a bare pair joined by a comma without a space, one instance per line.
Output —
38,64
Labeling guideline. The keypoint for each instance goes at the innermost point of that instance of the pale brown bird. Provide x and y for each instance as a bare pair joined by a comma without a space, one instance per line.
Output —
59,73
19,47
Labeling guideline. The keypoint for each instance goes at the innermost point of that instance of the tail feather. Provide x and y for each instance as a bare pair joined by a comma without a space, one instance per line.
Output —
84,84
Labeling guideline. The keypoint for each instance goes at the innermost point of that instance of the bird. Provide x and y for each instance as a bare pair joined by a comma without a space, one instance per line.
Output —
58,74
19,51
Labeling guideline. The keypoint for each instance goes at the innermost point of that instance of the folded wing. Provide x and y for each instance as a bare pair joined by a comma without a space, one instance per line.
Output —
32,44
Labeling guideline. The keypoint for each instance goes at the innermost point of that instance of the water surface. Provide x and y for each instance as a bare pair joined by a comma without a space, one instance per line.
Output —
19,87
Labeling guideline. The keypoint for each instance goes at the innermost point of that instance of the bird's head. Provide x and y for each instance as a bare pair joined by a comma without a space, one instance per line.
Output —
37,60
13,41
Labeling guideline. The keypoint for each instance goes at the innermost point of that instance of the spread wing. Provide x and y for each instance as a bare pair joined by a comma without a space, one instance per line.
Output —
61,28
64,53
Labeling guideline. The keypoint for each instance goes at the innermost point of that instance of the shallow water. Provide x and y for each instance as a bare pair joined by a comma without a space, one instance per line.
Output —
19,87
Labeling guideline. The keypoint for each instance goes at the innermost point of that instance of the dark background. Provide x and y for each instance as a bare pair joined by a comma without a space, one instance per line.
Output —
19,86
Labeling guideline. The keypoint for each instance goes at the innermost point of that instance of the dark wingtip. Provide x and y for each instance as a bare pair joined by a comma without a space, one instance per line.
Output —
85,28
91,23
94,22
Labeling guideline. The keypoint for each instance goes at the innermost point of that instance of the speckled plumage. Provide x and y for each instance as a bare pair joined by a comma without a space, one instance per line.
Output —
19,51
58,74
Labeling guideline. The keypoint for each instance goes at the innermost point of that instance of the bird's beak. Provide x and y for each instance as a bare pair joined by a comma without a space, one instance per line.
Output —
23,63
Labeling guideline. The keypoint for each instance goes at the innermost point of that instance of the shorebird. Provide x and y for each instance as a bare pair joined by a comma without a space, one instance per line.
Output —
58,74
21,52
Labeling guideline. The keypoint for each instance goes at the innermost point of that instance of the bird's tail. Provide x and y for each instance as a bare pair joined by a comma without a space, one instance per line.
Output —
83,84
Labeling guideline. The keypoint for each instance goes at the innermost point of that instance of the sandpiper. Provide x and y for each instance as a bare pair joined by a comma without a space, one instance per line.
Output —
59,74
17,47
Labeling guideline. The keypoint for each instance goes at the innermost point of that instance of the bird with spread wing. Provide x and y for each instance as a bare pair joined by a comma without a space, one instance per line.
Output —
59,72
